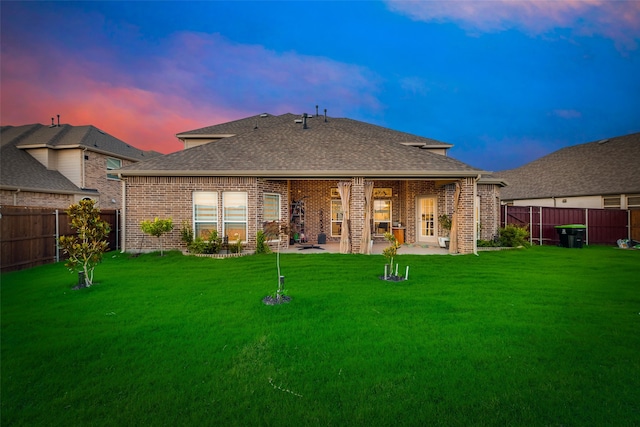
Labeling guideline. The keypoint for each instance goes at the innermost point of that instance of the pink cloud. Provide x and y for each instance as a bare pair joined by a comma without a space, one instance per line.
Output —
617,20
200,80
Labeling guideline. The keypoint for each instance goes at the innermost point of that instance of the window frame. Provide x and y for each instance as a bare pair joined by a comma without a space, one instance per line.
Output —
196,221
339,215
225,214
267,219
376,222
110,168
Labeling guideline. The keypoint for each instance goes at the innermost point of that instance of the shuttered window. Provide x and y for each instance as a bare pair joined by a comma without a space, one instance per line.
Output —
611,202
633,201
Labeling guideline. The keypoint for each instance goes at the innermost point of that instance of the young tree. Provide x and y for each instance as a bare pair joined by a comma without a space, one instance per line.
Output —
275,230
157,228
86,247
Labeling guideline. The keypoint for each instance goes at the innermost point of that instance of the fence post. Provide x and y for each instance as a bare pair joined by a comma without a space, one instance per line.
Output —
586,226
541,228
57,236
531,225
506,210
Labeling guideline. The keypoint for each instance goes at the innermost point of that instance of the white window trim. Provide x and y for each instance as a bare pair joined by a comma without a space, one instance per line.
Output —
390,221
279,210
332,220
193,210
246,216
110,175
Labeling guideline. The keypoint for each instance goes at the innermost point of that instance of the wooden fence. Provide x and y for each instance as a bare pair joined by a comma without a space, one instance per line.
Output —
28,235
603,226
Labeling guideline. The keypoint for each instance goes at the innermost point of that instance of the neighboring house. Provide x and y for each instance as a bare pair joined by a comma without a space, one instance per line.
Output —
600,174
58,165
332,179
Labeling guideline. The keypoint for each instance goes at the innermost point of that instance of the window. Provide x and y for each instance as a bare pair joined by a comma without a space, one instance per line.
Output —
633,202
382,216
205,213
336,217
612,202
234,208
111,165
271,207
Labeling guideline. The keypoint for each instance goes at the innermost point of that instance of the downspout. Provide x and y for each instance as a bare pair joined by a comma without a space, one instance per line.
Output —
475,219
83,168
15,197
123,222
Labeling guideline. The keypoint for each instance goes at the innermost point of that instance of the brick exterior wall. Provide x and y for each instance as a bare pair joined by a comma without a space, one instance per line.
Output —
43,200
489,211
95,178
171,197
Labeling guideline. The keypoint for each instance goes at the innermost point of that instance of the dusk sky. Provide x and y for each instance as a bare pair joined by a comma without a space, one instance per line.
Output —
505,81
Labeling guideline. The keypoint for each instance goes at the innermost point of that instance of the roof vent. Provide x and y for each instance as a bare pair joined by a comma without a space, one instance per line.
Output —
603,141
304,121
264,115
297,121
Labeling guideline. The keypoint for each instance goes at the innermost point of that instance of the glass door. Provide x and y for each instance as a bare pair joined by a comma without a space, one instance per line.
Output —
426,221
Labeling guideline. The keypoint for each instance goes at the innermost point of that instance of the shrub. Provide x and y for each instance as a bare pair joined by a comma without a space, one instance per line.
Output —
157,228
514,236
261,243
210,246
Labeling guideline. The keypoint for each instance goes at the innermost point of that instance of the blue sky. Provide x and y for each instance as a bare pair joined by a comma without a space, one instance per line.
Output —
505,81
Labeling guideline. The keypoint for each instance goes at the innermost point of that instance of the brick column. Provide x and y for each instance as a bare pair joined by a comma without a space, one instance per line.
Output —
465,216
357,213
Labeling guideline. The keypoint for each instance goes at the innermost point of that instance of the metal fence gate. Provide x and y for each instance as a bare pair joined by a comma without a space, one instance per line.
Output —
603,226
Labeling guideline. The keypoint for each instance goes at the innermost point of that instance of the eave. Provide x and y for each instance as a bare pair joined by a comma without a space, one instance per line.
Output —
307,174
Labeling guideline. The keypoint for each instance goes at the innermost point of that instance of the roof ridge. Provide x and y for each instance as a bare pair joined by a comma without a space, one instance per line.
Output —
30,131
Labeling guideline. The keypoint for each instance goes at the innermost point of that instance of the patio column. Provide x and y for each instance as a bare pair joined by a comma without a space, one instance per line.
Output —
365,247
344,189
465,214
357,214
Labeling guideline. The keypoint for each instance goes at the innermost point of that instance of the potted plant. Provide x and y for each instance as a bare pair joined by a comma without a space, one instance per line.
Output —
445,222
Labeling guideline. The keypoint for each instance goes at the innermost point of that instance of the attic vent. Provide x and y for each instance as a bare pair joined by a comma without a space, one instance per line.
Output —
298,121
264,115
603,141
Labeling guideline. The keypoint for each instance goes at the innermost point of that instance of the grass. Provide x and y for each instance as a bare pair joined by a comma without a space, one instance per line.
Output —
544,336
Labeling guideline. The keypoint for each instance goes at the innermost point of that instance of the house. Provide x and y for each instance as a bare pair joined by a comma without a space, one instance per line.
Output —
58,165
331,179
599,174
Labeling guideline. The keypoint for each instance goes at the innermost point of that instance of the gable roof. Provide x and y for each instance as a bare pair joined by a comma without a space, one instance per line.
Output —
608,166
283,148
20,170
86,137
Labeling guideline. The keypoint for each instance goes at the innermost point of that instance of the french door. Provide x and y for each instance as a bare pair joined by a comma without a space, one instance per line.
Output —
426,221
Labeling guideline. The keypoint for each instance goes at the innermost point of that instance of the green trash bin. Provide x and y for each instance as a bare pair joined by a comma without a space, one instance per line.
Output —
571,235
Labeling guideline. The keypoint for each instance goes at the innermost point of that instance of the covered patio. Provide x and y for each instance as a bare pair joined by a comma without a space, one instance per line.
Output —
334,247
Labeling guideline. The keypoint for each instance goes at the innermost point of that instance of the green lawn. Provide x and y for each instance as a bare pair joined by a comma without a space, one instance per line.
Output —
545,336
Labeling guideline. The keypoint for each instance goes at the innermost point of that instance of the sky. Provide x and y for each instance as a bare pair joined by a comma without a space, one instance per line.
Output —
504,81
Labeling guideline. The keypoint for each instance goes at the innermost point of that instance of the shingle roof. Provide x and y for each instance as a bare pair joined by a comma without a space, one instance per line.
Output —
337,147
18,169
89,137
602,167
